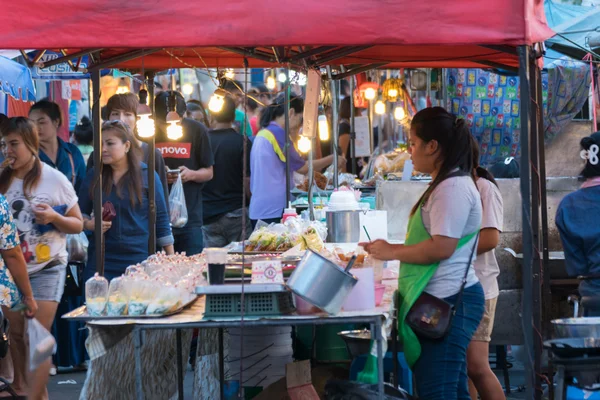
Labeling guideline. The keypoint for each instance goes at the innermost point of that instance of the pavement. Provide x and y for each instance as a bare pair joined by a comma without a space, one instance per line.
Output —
67,386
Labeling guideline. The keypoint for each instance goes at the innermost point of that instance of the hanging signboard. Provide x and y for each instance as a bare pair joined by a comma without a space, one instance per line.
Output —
58,71
71,90
363,137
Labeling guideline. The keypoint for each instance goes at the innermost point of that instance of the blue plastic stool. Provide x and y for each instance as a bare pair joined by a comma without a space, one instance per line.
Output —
405,379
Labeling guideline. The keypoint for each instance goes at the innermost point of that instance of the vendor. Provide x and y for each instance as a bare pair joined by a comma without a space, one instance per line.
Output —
267,160
125,185
578,222
441,239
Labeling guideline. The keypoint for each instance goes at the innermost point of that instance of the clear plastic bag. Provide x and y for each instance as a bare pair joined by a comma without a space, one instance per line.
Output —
179,214
41,344
77,247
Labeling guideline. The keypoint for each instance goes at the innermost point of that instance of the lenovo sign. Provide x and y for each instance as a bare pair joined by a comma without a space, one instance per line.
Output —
174,150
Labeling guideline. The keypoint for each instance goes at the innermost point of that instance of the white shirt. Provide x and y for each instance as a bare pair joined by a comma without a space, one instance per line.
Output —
53,189
486,265
453,210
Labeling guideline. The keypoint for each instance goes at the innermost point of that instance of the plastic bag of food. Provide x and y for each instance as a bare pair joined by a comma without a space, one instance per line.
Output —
179,214
140,295
117,297
96,295
167,299
312,239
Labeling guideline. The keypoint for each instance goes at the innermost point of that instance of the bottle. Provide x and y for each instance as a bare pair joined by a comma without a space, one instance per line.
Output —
289,212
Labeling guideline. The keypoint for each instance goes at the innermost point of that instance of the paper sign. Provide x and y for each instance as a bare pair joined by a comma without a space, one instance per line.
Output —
268,271
363,137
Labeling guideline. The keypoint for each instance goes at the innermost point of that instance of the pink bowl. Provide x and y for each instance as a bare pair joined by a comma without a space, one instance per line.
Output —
379,291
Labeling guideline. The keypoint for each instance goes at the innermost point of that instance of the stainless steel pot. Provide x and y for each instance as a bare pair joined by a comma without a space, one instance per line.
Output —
577,327
321,282
343,226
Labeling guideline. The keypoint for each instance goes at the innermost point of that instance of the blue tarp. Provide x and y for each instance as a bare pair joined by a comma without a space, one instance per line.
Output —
15,80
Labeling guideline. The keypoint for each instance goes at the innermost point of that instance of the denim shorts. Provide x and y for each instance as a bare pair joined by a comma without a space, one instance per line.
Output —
49,284
441,371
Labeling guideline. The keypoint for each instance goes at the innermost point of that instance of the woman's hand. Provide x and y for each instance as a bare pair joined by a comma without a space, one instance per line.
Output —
44,214
31,305
380,249
106,226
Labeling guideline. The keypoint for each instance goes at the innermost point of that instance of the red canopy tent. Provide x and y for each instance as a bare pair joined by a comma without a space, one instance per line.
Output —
448,34
370,33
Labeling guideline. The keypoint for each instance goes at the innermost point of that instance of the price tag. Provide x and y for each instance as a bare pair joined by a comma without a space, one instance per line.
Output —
268,271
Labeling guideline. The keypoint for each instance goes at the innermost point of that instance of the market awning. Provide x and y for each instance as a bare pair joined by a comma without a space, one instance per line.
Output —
404,32
577,36
15,80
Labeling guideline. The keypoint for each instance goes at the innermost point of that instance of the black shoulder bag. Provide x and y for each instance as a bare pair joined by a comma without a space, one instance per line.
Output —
431,317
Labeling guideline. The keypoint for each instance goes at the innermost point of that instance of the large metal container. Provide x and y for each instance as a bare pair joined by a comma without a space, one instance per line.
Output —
321,282
343,226
577,328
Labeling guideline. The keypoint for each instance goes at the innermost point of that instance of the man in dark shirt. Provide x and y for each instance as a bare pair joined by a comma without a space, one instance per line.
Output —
192,156
223,196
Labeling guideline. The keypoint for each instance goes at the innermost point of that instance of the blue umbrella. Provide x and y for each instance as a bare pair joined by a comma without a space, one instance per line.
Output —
14,76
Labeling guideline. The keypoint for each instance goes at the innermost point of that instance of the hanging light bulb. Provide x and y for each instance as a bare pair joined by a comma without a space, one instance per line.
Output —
370,93
271,84
323,128
123,87
379,107
399,113
392,93
174,130
145,126
187,89
282,77
215,104
230,74
304,144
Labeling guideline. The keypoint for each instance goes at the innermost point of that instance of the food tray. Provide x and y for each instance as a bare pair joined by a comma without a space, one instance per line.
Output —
80,314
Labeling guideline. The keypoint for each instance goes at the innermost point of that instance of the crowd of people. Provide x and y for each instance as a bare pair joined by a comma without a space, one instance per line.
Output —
224,159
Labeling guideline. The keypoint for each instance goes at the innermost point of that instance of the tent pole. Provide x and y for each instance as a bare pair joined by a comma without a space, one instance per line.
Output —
286,110
527,311
151,182
96,118
352,133
334,125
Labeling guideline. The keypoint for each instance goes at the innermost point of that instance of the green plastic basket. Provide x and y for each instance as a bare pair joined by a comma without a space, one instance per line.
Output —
256,304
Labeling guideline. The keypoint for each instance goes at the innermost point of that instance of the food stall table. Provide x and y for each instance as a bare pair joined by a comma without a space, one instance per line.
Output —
193,317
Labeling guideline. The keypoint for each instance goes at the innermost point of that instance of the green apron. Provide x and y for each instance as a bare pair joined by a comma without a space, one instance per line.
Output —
412,281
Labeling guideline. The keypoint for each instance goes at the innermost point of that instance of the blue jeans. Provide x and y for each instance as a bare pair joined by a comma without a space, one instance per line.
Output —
441,371
188,240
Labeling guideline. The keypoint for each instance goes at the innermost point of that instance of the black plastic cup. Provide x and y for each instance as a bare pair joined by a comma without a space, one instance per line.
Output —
216,274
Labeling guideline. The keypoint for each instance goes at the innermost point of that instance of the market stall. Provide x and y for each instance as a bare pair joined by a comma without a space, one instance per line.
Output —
461,35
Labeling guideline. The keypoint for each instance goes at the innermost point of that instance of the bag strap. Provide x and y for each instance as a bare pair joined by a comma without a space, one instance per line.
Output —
72,168
464,281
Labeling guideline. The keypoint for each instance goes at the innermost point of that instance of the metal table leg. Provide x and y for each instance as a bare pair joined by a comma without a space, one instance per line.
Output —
380,356
137,338
180,374
222,365
561,387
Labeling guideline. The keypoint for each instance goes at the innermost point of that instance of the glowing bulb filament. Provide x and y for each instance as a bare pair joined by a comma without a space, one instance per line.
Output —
304,144
215,104
380,108
174,130
323,128
145,126
229,73
370,93
187,89
393,93
271,83
399,113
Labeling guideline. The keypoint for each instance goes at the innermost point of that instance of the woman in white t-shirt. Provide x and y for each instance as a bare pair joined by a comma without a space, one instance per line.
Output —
483,381
44,207
438,253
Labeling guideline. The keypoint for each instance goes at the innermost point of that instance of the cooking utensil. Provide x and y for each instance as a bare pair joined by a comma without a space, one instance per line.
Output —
343,226
577,327
574,347
321,282
359,342
350,264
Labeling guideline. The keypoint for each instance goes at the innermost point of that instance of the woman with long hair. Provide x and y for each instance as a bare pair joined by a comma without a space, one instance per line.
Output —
268,160
438,253
482,379
578,222
44,207
125,185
